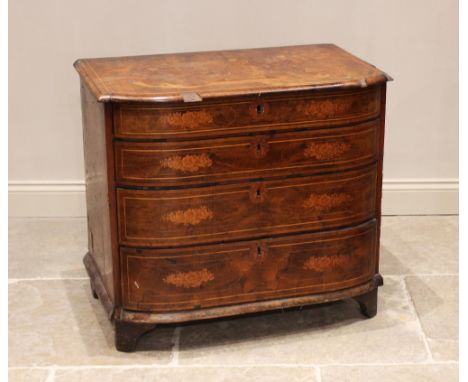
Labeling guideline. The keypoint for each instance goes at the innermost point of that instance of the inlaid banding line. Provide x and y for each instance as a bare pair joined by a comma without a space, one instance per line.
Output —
327,137
241,191
263,126
334,95
314,222
365,276
310,164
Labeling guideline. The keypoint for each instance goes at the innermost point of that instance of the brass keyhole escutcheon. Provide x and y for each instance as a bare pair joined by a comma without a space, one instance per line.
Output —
260,108
259,251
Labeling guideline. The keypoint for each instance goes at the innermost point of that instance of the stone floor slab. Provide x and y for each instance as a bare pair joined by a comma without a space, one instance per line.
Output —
198,374
332,333
46,247
58,322
419,245
28,375
436,301
400,373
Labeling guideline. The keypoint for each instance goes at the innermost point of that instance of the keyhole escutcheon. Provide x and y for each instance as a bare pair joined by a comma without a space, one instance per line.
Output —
260,146
260,251
257,193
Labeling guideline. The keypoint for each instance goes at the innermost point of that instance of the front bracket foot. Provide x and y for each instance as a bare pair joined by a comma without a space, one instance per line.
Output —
127,334
93,290
368,301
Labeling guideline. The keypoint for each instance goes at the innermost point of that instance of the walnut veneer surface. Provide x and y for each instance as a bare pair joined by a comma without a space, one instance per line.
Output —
231,182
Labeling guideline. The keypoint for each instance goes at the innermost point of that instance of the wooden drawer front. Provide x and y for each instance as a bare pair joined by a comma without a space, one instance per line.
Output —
170,163
261,113
188,278
240,211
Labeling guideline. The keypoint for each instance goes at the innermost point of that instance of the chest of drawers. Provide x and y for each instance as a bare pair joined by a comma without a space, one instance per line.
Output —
231,182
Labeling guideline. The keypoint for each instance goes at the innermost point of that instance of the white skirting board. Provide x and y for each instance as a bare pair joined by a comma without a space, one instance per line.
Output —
67,199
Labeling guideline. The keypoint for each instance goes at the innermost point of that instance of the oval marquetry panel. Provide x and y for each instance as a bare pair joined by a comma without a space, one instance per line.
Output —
192,216
185,278
187,163
189,280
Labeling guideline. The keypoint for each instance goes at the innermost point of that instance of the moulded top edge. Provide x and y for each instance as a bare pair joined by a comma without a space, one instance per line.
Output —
193,77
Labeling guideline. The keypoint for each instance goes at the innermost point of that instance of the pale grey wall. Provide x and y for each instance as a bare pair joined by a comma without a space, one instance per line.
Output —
415,41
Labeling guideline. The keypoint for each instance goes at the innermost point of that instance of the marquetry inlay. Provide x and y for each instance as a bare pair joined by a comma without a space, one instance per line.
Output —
325,202
324,263
187,163
189,119
329,108
192,216
192,279
326,150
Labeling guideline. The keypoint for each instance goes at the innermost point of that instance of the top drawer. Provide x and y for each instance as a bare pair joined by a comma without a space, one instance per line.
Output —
280,112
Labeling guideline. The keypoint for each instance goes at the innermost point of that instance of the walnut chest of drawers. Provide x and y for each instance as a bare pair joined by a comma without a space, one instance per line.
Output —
231,182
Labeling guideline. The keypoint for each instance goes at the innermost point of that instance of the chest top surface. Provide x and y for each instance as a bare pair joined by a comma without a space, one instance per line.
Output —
204,75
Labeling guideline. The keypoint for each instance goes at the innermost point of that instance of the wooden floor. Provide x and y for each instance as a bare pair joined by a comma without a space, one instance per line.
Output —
58,332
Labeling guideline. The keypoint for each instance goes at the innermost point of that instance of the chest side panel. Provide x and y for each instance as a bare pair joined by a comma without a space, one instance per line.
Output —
100,244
